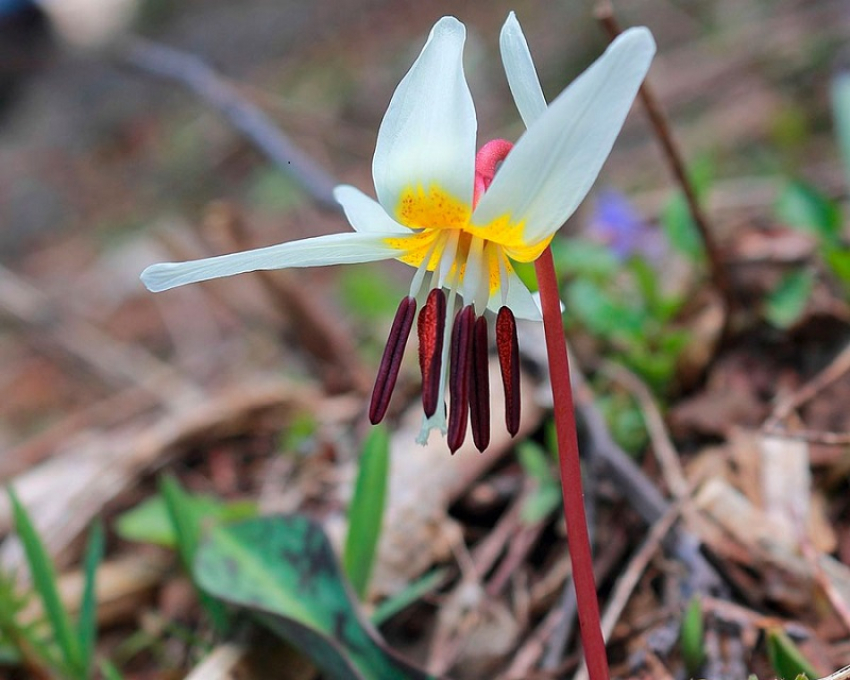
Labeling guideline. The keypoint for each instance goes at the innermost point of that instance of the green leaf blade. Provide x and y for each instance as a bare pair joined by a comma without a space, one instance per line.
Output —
187,517
804,207
840,97
366,512
87,621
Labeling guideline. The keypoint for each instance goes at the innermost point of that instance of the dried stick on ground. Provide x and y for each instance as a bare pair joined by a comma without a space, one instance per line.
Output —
629,579
195,74
605,16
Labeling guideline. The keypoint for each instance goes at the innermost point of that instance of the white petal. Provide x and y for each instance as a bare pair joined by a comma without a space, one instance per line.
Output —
519,68
519,299
348,248
554,164
428,133
365,214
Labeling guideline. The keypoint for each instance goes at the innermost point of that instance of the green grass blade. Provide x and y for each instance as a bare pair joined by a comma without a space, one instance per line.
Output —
44,581
187,516
183,517
366,513
87,622
786,658
692,637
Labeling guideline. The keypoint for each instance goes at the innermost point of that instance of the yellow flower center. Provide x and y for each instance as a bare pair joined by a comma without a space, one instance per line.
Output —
433,214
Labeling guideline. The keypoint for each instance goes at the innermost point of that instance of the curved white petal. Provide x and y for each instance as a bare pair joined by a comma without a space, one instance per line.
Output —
519,68
365,214
554,164
519,299
428,133
349,248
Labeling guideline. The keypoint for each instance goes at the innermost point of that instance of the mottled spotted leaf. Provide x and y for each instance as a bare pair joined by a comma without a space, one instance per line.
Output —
284,571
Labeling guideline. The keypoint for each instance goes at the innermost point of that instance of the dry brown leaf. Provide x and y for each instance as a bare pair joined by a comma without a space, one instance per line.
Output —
66,492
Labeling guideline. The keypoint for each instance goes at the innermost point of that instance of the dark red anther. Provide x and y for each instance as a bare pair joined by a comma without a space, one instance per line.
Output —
459,370
479,387
508,348
391,361
431,328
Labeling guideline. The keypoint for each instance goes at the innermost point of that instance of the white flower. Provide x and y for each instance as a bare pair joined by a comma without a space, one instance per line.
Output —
449,214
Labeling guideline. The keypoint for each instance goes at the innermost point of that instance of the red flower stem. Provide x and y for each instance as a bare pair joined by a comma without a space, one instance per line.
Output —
570,467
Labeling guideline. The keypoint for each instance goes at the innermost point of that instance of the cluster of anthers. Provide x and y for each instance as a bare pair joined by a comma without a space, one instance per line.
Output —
454,346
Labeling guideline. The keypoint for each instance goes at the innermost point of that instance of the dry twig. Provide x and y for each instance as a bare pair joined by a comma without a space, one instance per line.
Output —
637,565
195,74
662,445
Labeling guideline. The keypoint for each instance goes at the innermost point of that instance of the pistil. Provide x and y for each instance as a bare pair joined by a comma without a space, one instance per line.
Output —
391,360
487,162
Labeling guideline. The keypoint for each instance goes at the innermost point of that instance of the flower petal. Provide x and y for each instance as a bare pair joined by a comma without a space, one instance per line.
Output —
427,136
519,68
349,248
554,164
365,214
519,299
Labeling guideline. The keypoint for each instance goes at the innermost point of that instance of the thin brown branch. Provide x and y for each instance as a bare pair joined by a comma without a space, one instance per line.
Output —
606,17
629,579
193,73
665,452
